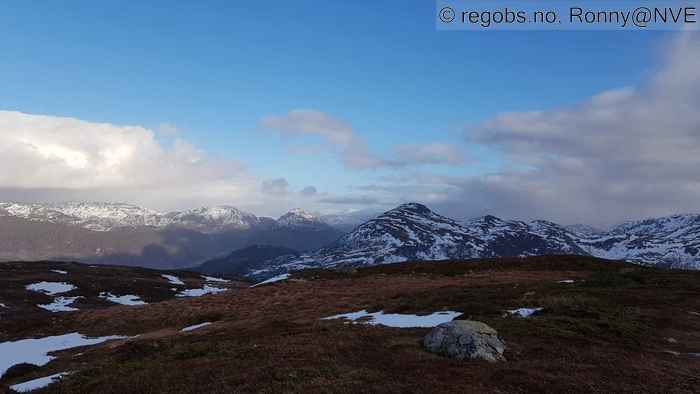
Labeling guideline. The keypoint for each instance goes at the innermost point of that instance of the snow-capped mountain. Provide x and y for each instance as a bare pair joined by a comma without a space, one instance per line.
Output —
584,230
96,216
299,218
127,234
213,219
672,241
408,232
414,232
101,216
517,238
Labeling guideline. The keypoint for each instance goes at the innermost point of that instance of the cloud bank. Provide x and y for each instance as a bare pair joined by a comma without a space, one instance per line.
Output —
352,149
622,154
71,156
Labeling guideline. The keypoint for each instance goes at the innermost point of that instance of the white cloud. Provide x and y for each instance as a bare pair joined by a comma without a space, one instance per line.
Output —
48,152
352,149
624,153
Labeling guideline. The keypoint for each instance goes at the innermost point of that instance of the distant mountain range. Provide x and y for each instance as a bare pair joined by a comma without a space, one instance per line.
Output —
414,232
101,216
131,235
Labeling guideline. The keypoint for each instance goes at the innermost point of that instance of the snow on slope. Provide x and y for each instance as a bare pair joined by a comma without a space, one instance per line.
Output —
414,232
408,232
100,216
671,241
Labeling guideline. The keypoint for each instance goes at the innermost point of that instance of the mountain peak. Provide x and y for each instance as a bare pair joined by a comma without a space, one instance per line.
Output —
413,207
300,213
298,217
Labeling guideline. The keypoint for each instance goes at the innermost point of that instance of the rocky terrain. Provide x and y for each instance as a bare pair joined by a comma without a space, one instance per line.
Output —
570,324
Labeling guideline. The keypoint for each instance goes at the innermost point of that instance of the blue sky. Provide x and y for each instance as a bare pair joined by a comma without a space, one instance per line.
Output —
215,69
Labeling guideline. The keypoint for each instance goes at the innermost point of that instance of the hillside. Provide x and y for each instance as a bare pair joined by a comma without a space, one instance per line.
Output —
605,327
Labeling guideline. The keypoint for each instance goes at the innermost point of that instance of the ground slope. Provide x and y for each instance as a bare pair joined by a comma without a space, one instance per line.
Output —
616,328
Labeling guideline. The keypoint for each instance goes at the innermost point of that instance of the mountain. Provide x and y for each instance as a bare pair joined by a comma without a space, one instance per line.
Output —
214,219
299,218
413,232
584,230
100,216
671,241
516,238
130,235
113,233
244,260
95,216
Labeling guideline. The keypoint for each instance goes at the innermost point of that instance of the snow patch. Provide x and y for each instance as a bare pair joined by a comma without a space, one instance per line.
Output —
398,320
274,279
51,288
195,327
174,280
524,312
60,272
36,351
213,279
567,281
60,304
38,383
200,292
128,299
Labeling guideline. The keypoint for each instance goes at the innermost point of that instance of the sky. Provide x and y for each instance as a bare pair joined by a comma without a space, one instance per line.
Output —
340,106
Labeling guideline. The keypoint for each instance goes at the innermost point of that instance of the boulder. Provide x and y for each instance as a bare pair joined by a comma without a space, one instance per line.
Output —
465,340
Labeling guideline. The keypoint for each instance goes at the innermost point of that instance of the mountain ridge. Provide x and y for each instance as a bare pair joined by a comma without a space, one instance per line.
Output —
410,231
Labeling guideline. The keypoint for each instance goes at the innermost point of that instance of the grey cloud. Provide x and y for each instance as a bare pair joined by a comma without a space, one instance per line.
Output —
359,200
622,154
276,186
309,191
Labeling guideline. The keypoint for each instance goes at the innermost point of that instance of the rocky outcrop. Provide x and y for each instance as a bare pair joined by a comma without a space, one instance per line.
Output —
465,340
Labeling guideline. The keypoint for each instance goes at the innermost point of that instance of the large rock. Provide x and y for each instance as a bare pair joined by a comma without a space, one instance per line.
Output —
465,340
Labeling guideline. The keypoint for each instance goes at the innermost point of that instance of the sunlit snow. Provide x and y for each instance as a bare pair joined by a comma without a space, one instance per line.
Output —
51,288
398,320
